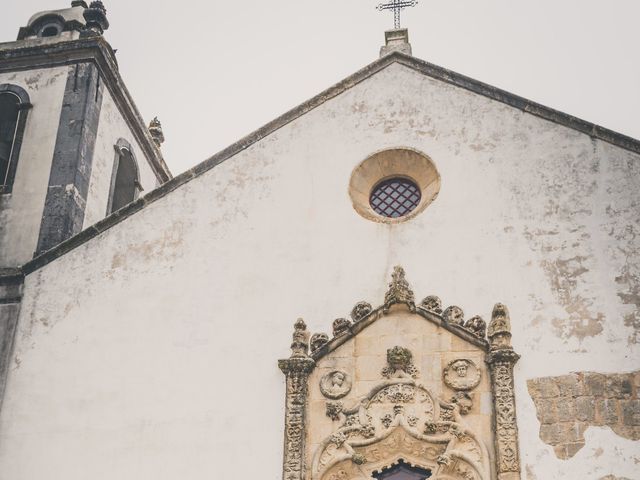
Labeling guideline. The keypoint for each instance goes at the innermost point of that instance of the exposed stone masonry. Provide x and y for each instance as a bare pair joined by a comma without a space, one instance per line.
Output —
568,405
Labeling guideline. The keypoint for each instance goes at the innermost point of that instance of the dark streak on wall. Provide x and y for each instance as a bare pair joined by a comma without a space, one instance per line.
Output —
66,199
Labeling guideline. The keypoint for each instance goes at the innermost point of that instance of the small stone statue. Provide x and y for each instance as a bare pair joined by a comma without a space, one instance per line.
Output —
155,129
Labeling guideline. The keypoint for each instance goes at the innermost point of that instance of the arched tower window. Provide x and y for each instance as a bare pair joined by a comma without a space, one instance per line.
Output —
125,182
49,26
14,104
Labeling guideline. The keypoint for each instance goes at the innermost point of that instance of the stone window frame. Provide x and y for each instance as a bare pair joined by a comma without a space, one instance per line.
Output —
47,21
23,112
122,147
393,162
495,341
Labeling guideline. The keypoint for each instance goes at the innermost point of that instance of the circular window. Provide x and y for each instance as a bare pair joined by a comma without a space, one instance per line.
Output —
395,197
394,185
51,30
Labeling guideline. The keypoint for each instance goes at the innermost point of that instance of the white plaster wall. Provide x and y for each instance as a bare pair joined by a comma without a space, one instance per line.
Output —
150,351
111,127
21,210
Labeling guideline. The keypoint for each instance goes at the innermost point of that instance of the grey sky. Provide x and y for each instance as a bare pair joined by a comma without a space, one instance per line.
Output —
216,70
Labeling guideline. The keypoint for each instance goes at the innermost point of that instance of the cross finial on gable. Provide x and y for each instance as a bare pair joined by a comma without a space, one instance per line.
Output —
397,6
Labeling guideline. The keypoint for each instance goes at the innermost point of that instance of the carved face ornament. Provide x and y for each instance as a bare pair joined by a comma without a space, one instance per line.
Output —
460,368
336,384
462,374
337,379
399,358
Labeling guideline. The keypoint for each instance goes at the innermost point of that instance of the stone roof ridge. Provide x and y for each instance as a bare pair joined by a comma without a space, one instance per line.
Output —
400,295
421,66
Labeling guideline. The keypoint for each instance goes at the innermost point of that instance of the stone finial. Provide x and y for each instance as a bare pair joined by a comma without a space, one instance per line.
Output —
300,344
155,129
396,41
453,315
432,304
477,326
499,331
361,310
341,326
96,17
318,340
399,290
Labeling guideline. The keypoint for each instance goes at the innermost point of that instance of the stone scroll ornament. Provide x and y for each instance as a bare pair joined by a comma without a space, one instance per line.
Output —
501,360
297,369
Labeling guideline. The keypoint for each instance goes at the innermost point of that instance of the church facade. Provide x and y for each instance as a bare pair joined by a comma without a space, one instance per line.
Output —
411,275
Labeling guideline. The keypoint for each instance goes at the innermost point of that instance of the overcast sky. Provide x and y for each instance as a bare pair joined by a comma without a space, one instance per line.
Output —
214,71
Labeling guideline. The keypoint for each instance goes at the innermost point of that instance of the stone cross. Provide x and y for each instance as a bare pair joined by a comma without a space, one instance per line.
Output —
397,6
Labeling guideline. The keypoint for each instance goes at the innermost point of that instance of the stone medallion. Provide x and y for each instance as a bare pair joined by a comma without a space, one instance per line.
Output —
335,384
462,374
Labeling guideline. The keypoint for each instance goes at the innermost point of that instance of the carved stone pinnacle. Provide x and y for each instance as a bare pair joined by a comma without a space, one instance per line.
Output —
300,344
499,331
399,290
155,129
96,18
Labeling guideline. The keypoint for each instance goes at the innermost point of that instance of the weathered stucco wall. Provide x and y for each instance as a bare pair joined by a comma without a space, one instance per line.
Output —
111,128
21,210
150,351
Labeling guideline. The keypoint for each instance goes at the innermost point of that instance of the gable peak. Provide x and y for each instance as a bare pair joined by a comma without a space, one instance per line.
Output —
396,41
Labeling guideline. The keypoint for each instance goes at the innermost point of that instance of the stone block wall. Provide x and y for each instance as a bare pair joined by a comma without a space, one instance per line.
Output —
567,405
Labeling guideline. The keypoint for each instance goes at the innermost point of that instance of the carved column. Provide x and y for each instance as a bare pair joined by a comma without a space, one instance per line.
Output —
297,369
501,360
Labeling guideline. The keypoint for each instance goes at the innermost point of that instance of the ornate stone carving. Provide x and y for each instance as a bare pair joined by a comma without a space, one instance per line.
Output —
464,402
386,420
432,304
501,360
399,418
341,326
336,384
462,374
155,129
404,426
399,291
361,310
499,331
297,369
399,363
334,409
430,428
318,340
453,315
477,326
96,18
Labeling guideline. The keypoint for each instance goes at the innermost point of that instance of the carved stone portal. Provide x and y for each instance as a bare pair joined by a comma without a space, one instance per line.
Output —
401,417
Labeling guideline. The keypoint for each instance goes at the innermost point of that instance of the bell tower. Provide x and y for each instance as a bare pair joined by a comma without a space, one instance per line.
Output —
64,116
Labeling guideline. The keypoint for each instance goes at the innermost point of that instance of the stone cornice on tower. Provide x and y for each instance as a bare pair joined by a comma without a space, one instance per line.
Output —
46,53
